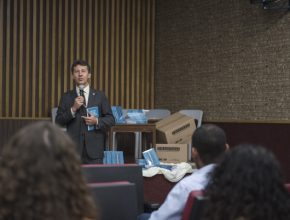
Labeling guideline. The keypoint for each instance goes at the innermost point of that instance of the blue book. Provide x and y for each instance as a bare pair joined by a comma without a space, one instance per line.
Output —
136,116
119,157
105,157
113,157
151,157
95,112
118,114
109,158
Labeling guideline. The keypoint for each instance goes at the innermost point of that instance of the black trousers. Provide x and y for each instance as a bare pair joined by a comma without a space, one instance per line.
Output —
86,159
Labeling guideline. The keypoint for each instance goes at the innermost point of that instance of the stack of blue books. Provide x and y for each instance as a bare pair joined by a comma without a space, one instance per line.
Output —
151,160
113,157
118,114
136,116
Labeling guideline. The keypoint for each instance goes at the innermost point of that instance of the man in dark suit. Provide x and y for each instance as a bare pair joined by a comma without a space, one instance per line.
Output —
86,113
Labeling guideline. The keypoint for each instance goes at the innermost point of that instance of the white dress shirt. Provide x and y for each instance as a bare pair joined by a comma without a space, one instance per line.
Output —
86,93
173,206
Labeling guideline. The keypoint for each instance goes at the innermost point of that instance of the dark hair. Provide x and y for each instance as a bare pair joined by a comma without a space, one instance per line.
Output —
248,184
210,142
81,63
41,178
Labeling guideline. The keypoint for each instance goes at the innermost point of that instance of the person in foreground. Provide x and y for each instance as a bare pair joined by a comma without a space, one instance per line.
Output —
86,113
247,185
40,177
208,145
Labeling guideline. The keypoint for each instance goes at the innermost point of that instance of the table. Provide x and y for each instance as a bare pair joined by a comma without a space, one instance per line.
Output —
156,188
137,129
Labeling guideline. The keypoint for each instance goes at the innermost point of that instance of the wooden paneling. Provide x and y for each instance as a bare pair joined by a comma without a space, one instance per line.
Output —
39,39
8,127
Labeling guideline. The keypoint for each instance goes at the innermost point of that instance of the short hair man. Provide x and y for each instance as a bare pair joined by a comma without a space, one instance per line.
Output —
208,145
86,113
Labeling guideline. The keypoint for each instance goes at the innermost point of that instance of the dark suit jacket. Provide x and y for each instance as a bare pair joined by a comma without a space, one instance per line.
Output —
76,128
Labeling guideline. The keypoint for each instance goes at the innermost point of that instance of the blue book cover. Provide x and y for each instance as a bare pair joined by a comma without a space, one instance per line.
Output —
119,157
151,157
136,116
109,158
95,112
118,114
105,157
113,157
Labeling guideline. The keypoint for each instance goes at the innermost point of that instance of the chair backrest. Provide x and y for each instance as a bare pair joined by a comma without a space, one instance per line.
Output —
115,200
157,114
53,114
109,173
194,113
194,206
152,115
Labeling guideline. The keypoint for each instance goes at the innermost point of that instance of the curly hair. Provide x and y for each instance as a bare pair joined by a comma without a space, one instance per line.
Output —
41,177
248,184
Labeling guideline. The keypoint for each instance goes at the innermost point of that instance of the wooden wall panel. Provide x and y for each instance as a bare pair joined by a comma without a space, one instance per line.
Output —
39,39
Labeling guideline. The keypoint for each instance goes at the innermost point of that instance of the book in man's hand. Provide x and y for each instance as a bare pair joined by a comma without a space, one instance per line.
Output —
95,112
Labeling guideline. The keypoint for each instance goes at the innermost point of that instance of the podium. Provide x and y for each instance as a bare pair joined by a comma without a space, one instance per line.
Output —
137,129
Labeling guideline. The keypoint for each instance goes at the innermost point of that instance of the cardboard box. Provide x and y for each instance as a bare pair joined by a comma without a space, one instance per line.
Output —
188,141
172,153
175,129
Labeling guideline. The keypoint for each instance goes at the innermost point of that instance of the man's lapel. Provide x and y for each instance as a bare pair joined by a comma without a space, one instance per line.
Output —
92,96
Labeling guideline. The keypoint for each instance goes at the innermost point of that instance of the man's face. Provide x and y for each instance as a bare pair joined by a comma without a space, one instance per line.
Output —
81,75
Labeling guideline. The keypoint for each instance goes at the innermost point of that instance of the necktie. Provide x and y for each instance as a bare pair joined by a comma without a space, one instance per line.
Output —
82,93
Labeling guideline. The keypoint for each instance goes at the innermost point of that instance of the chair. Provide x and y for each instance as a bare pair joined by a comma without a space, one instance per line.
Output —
152,114
196,114
115,200
156,114
194,206
53,114
109,173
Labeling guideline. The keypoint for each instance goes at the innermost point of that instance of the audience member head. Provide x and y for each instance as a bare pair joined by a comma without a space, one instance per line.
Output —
247,185
40,177
208,144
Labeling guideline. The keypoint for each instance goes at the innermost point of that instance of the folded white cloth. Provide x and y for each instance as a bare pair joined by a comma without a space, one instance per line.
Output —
174,175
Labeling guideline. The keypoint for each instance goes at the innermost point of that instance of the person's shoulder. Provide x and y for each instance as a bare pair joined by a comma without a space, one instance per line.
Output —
97,92
202,172
197,179
69,93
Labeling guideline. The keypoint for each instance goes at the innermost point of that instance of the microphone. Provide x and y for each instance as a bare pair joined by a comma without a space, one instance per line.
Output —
81,87
82,93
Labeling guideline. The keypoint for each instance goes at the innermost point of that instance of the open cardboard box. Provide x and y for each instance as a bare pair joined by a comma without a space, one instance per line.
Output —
175,129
